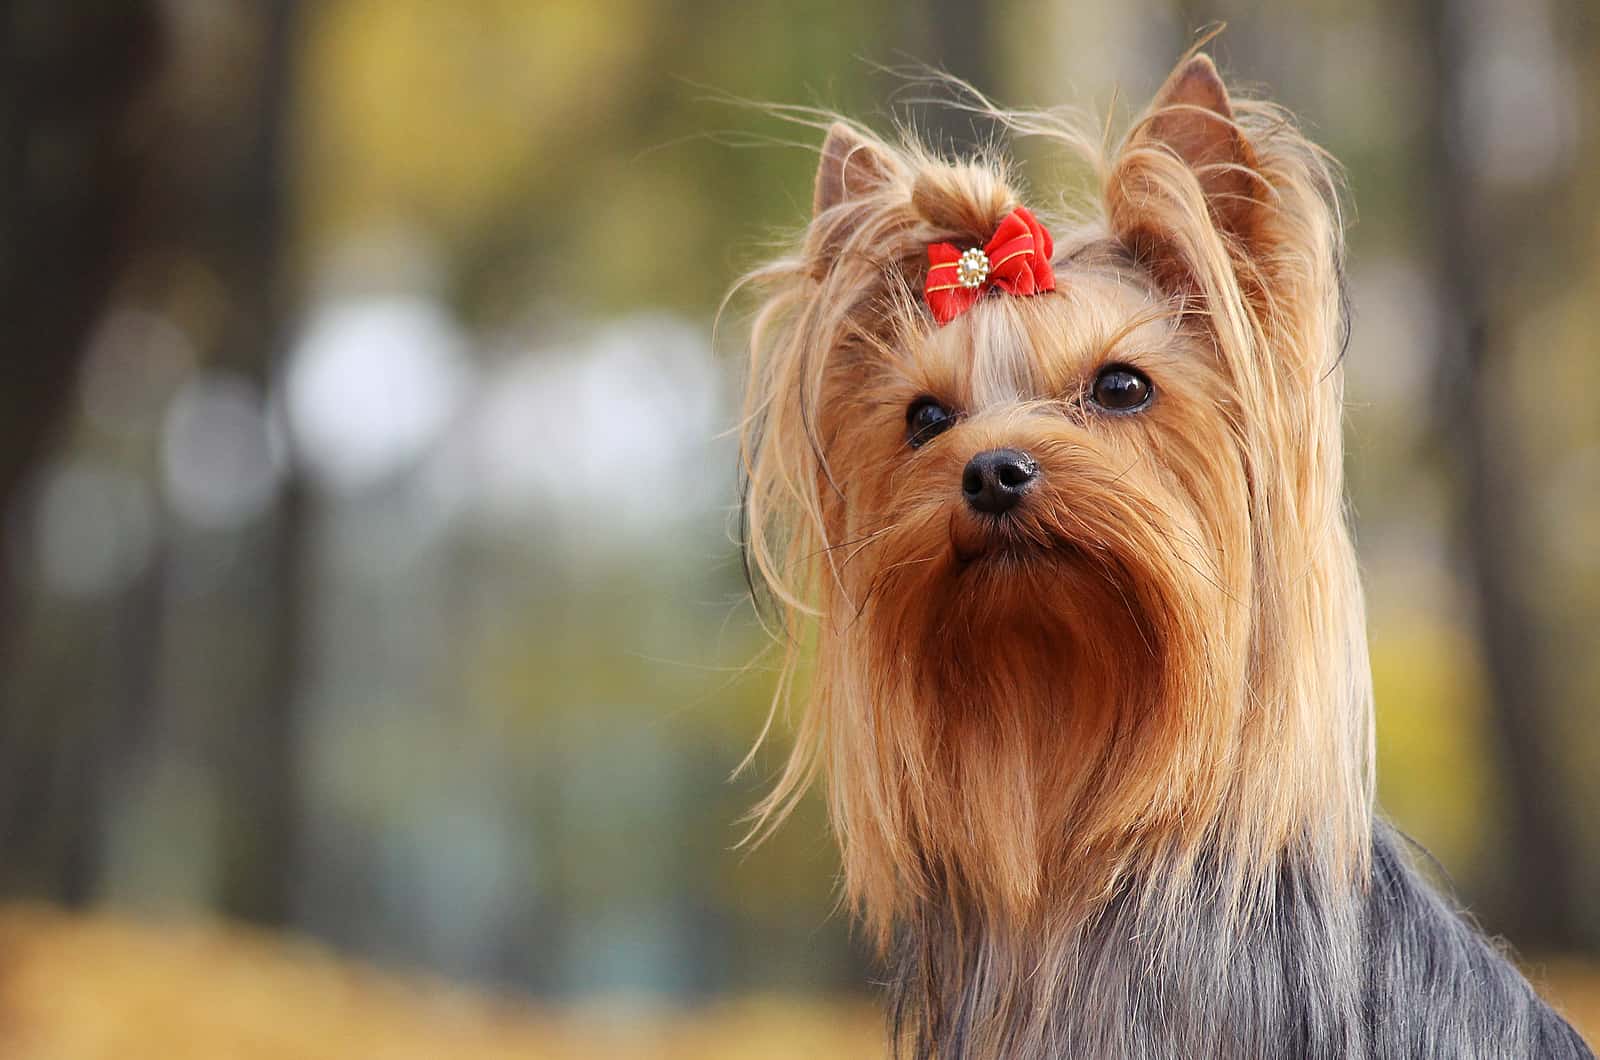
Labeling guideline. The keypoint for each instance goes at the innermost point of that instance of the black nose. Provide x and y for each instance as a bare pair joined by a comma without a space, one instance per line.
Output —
996,479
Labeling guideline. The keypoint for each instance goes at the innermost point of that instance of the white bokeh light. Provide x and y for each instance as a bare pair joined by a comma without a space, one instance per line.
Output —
609,438
93,529
372,385
220,465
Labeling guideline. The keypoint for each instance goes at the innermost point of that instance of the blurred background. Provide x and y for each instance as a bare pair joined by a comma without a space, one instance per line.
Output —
373,651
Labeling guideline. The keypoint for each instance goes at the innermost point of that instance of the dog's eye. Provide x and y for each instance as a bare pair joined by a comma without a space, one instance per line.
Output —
1121,389
924,419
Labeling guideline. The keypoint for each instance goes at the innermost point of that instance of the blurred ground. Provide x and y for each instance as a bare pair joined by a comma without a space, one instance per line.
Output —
90,987
1575,990
83,988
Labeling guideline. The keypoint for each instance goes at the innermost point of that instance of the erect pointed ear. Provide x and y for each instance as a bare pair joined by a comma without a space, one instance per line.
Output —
1193,116
1191,120
1189,141
851,166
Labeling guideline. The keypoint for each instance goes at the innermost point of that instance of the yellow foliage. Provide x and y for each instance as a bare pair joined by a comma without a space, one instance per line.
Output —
434,113
1433,770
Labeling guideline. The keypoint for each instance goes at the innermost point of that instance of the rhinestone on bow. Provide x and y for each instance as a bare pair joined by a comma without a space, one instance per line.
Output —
972,268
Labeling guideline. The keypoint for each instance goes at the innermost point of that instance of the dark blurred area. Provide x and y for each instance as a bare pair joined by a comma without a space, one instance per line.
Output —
366,568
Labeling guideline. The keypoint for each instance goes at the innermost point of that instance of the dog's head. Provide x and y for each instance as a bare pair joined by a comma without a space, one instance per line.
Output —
1083,582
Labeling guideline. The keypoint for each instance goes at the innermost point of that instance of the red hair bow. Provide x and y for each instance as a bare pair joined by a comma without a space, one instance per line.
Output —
1016,260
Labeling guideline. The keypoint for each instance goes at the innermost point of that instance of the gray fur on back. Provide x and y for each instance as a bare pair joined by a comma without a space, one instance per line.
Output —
1319,973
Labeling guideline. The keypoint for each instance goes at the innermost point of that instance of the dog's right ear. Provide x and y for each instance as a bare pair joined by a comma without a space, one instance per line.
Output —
852,167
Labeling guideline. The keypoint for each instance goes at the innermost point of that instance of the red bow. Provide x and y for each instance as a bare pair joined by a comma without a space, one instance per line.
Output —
1016,260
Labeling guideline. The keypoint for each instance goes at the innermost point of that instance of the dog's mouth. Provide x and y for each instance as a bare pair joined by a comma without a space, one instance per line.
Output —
1001,540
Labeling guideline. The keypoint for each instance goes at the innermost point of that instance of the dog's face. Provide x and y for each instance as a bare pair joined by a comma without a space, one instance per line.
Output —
1040,526
1084,586
1043,502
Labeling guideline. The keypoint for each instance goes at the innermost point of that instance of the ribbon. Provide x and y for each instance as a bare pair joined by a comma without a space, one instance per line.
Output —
1016,260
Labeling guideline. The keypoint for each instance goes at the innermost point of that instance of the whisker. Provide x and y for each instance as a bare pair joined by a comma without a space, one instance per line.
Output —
867,537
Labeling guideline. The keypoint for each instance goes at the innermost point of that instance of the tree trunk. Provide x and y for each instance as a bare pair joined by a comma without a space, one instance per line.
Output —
72,76
961,43
1472,263
263,797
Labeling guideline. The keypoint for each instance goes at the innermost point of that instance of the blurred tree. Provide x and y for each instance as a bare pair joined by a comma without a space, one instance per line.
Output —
962,44
200,203
1481,249
258,870
73,79
228,691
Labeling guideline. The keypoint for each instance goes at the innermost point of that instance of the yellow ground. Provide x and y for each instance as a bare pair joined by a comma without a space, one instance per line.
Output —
97,988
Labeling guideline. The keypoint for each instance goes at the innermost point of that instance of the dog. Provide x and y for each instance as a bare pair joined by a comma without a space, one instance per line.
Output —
1055,516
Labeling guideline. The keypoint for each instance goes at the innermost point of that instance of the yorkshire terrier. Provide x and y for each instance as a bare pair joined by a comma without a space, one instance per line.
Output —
1091,702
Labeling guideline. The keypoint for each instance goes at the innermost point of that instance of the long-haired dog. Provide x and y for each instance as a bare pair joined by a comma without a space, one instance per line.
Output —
1091,700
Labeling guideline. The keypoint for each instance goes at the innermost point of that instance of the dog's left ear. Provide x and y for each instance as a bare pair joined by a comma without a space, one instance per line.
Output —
852,166
1189,132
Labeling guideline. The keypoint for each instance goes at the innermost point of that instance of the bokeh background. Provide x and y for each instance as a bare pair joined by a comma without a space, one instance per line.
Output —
374,654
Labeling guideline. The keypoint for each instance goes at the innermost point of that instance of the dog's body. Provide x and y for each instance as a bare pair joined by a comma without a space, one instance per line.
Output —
1092,701
1388,973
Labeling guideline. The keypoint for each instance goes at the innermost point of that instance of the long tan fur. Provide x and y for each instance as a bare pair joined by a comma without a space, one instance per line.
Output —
1163,653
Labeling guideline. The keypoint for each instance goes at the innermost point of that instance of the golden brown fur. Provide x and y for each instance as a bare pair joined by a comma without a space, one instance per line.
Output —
1165,649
